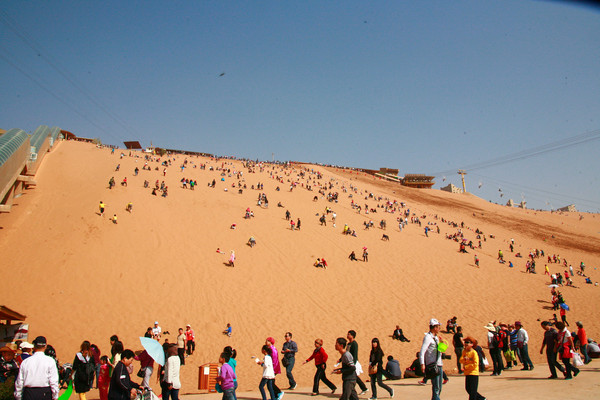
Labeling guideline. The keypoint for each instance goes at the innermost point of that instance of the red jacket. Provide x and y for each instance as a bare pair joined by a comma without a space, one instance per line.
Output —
319,355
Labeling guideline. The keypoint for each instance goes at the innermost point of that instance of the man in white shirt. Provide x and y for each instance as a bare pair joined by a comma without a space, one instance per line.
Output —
522,344
156,331
431,355
38,375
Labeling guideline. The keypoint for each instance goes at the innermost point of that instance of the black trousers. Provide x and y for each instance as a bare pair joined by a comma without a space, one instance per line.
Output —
471,385
497,360
376,379
552,363
320,376
37,393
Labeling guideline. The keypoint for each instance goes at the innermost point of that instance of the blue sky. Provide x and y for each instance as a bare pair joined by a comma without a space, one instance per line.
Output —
425,87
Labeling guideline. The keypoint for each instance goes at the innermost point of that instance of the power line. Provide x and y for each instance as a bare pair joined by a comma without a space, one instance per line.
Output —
50,92
552,195
528,153
22,33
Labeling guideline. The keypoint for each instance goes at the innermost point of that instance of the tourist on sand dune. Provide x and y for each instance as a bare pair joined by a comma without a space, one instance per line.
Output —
549,342
457,341
276,366
121,386
522,344
268,376
430,356
348,371
470,359
83,368
583,342
290,348
320,357
563,347
414,371
226,377
171,382
232,259
399,335
352,256
228,330
352,347
376,369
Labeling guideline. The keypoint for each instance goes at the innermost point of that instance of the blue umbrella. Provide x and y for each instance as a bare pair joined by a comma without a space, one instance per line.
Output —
154,349
563,305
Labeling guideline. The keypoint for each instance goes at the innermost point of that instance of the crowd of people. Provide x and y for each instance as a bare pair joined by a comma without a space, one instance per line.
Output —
37,373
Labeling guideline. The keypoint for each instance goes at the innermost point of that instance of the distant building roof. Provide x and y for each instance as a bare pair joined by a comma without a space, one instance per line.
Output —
6,314
133,145
421,181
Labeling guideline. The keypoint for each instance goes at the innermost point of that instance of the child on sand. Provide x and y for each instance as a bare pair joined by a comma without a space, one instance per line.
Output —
476,261
470,360
103,378
268,376
228,330
102,206
232,259
225,379
114,219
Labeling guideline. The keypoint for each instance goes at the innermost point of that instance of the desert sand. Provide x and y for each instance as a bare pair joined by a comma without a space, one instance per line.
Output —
77,276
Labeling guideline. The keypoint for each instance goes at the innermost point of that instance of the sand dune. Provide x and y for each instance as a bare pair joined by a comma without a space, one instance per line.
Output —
78,276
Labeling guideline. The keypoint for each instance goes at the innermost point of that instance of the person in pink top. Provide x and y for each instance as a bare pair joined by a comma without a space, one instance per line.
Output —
225,379
276,366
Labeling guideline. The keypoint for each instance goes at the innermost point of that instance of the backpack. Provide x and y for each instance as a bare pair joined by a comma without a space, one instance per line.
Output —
502,340
495,340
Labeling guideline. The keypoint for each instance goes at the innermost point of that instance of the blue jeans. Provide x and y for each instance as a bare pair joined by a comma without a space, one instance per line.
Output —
228,394
586,357
288,371
527,364
235,386
436,386
261,387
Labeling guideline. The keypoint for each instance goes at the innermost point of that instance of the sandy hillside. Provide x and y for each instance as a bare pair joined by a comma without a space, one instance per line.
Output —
78,276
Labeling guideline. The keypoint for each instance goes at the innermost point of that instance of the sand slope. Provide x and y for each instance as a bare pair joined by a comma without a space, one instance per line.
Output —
78,276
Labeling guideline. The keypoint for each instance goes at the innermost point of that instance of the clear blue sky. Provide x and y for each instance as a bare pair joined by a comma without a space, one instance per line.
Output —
425,87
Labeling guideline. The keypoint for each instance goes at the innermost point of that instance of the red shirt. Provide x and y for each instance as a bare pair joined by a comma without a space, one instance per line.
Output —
319,355
189,335
582,336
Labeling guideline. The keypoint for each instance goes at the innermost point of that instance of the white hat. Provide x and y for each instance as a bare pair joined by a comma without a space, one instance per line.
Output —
155,322
433,322
490,327
26,345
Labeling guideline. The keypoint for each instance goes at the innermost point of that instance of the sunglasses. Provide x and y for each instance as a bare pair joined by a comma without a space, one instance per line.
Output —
467,342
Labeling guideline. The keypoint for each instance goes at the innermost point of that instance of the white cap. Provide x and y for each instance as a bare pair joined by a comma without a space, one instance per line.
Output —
155,322
26,345
433,322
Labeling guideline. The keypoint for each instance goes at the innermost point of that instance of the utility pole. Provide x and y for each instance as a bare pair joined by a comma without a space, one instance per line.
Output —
462,174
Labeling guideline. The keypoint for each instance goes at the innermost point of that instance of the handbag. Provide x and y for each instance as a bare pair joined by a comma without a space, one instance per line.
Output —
285,362
432,370
142,372
577,361
372,369
566,352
